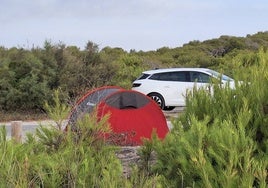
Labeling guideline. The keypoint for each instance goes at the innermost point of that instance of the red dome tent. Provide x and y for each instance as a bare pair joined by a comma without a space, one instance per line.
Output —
132,115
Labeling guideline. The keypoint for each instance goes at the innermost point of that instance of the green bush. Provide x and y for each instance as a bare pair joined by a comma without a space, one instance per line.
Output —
55,158
221,139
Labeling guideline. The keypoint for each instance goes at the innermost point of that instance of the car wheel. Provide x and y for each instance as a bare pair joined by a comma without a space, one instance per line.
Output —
158,99
169,108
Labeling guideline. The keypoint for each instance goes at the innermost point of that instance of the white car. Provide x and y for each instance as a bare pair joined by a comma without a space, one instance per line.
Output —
168,86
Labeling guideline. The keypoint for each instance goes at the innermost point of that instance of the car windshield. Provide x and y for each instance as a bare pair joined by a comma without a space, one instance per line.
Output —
218,75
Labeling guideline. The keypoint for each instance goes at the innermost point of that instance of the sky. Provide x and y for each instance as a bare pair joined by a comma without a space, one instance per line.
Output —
128,24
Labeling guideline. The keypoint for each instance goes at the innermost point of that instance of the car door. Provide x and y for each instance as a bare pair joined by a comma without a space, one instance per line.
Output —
194,79
200,79
175,87
178,83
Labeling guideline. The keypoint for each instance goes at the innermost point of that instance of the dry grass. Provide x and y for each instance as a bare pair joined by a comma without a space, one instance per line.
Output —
22,116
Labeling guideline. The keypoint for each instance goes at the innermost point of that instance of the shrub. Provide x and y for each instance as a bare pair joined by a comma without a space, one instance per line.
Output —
55,158
220,140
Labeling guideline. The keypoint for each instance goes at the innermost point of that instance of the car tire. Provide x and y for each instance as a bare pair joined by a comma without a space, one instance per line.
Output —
158,99
169,108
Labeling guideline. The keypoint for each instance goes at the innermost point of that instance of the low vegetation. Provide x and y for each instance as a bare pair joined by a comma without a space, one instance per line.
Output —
52,157
220,140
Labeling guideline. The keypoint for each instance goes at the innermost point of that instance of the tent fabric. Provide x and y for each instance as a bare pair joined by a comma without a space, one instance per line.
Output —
132,115
88,102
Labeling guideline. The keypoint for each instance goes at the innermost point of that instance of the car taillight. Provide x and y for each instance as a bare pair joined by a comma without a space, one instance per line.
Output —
136,85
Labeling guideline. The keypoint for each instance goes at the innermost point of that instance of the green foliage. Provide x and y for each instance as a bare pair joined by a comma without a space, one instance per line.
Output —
21,81
83,70
58,111
209,155
55,158
221,138
129,67
73,159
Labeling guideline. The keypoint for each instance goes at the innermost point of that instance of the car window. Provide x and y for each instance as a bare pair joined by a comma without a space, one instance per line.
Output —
143,76
159,76
219,75
199,77
179,76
